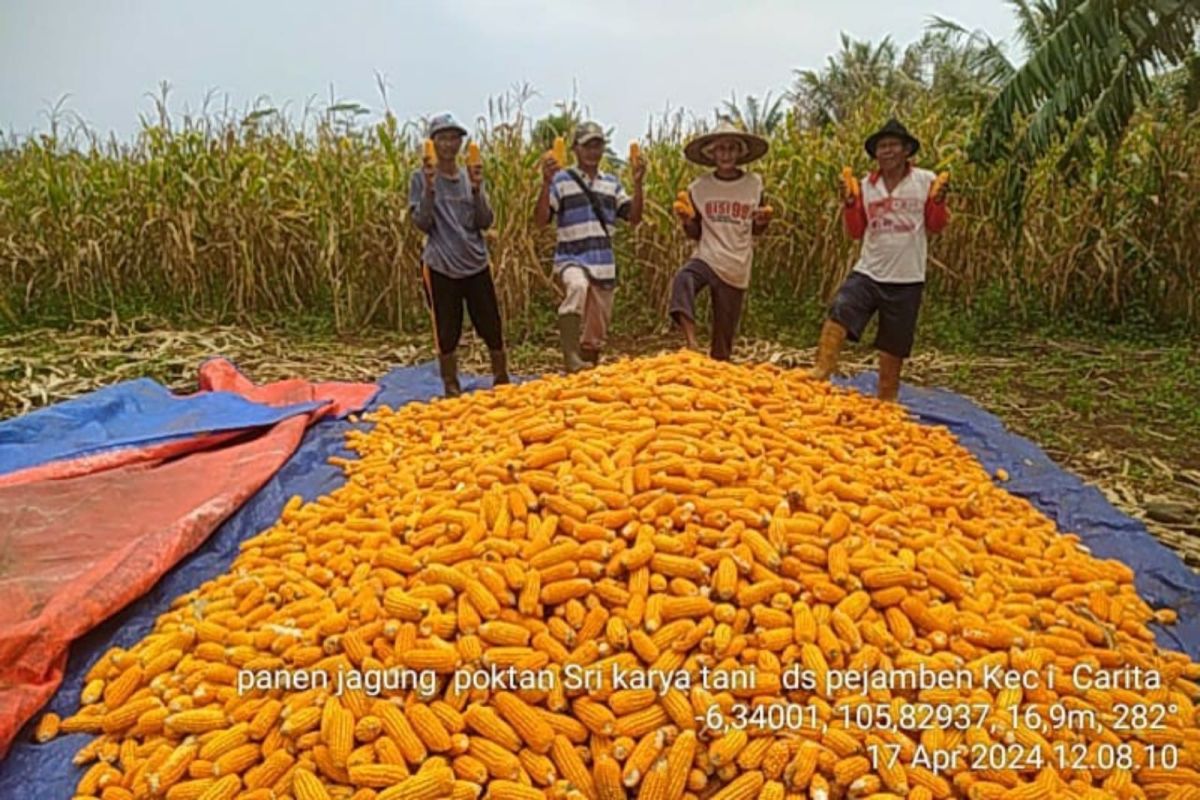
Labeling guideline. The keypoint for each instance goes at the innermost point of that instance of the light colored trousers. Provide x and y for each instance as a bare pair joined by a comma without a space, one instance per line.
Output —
593,303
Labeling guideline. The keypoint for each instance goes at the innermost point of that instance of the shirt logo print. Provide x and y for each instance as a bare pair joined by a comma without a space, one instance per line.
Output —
727,211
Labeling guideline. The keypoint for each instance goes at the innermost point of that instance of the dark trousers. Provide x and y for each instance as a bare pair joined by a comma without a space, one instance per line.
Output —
726,304
445,297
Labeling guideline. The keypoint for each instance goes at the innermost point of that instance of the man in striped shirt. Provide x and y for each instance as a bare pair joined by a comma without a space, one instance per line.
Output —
587,204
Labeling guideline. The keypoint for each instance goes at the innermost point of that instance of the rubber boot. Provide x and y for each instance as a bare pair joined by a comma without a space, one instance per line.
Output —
499,367
889,377
592,357
448,365
570,328
828,348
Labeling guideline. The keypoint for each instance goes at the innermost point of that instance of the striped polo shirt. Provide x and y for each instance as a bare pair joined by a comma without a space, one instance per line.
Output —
581,238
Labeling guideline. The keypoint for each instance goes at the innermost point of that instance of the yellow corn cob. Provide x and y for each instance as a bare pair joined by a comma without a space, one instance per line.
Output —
938,182
224,741
571,766
237,760
683,204
642,757
500,763
225,788
488,724
92,692
430,153
125,716
297,724
474,157
850,182
469,768
200,720
772,790
266,774
398,728
307,786
606,776
173,769
511,790
679,761
47,728
528,724
559,151
119,690
429,728
746,786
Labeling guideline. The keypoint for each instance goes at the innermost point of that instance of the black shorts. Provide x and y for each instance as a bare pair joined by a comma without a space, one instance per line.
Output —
897,303
445,298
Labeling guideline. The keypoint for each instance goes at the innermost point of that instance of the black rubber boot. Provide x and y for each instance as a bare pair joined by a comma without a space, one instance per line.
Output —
448,365
499,367
570,328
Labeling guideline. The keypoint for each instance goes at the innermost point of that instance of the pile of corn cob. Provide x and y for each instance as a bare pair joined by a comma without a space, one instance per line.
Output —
671,513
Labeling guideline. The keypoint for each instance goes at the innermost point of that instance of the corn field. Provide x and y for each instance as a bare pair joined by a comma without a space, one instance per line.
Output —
265,218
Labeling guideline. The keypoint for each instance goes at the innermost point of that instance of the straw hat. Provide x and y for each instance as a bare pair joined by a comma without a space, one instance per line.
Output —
699,149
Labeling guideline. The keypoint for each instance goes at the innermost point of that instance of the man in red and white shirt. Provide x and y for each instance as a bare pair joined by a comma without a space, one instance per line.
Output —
898,205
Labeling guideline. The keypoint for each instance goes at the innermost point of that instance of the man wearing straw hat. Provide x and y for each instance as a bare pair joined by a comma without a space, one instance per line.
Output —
724,215
587,204
450,205
897,205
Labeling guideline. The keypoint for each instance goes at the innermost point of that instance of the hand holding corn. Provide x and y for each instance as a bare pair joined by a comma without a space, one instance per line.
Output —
637,163
554,160
474,166
762,215
429,166
683,206
850,187
937,189
550,168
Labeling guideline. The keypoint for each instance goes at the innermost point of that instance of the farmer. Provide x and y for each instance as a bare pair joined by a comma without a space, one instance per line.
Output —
450,204
724,215
898,204
587,204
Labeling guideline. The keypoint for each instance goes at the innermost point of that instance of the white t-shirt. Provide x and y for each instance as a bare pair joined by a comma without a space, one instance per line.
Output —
894,246
726,224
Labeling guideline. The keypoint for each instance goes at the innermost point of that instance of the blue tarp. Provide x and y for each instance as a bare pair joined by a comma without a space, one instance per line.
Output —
129,414
45,771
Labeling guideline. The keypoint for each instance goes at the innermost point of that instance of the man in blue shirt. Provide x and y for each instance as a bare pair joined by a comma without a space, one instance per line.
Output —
587,204
449,203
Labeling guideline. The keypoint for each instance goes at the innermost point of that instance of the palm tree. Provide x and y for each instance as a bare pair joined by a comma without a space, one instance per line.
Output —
975,55
824,96
1090,64
754,115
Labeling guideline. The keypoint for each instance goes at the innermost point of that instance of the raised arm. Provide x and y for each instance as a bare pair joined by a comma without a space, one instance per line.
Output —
854,216
420,201
639,198
547,202
484,217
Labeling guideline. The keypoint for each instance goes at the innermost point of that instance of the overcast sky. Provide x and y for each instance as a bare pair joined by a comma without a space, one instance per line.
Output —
628,59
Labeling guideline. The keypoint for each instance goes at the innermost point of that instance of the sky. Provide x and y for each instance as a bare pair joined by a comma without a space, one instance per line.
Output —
626,61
